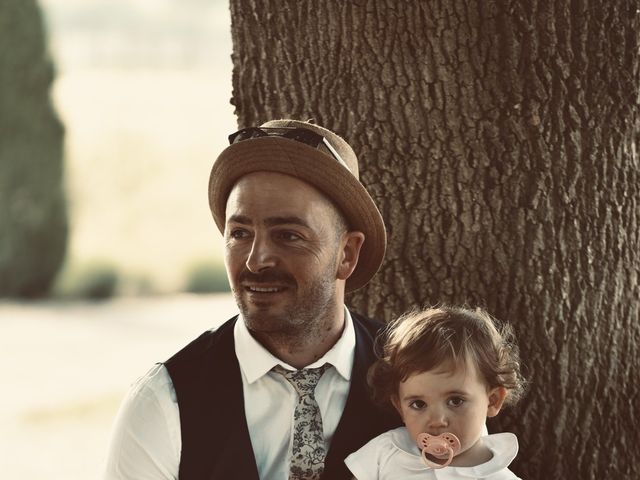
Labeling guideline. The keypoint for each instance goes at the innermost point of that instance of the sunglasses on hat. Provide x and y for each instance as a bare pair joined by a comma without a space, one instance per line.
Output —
302,135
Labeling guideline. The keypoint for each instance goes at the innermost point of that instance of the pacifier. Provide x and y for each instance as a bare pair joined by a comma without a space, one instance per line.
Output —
438,451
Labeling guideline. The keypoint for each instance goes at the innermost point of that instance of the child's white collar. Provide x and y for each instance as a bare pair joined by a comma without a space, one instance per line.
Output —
504,447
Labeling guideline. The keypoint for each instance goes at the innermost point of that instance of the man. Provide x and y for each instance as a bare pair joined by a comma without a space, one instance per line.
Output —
278,392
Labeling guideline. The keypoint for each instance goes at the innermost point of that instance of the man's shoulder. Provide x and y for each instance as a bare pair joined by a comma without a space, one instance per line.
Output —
206,344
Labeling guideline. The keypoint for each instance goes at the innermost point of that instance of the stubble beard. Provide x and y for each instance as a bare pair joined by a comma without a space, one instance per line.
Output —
303,322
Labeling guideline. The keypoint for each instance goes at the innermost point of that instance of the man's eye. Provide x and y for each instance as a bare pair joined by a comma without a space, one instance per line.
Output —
289,236
417,405
238,233
456,401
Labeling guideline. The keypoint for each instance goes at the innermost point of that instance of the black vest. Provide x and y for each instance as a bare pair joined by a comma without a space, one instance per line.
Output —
215,438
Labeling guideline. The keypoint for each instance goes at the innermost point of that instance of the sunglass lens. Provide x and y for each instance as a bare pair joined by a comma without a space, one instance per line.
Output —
246,134
305,136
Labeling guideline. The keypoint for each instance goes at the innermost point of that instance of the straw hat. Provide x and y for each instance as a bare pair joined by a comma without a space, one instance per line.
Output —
291,157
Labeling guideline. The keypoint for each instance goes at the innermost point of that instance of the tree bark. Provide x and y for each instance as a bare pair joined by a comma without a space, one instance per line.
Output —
499,140
33,216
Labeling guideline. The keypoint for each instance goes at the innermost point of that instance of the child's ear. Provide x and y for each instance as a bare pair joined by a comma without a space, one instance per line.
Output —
497,397
396,403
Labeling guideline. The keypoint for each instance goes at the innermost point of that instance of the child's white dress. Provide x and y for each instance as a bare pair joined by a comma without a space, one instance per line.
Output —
395,456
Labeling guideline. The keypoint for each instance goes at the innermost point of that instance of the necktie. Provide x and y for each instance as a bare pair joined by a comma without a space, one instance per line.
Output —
307,451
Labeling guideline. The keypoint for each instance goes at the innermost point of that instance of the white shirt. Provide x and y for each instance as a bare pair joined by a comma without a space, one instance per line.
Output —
146,441
395,456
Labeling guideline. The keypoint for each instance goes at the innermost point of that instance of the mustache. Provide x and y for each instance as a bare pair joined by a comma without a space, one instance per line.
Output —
267,276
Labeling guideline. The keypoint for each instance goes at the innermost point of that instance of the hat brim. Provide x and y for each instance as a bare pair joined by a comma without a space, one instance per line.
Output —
281,155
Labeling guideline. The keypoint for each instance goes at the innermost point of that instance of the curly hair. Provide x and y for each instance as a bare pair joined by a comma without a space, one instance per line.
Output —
422,340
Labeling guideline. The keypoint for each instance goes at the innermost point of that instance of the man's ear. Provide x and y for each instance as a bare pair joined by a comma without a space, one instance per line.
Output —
497,397
351,245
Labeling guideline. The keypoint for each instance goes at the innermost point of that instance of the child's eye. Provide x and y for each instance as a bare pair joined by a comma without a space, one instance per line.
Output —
455,401
417,405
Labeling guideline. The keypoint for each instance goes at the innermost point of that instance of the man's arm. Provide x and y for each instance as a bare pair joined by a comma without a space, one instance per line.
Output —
145,443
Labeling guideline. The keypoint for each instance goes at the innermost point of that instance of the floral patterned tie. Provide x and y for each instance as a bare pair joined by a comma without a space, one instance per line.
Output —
307,451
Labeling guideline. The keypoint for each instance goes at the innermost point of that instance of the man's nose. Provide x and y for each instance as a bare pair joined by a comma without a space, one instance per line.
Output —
261,255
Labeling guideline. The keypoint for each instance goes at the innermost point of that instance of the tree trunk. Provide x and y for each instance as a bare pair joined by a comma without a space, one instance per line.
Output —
499,140
33,219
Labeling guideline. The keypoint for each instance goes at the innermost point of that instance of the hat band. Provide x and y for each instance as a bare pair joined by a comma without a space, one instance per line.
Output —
302,135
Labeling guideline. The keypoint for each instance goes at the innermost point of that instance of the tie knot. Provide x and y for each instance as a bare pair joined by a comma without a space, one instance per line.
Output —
305,380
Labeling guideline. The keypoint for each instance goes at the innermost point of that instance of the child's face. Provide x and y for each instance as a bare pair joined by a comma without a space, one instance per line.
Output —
452,399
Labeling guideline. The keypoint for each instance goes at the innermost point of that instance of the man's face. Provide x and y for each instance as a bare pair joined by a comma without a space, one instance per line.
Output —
282,249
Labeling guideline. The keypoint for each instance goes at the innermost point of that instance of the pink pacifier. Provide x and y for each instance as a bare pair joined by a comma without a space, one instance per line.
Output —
443,447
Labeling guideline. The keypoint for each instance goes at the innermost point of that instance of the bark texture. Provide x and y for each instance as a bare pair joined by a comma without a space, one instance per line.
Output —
499,140
33,218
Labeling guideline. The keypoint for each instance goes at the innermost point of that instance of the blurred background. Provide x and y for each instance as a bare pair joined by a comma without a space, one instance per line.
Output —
111,114
142,88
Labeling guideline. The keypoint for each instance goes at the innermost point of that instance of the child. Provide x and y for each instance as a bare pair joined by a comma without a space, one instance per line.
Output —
445,370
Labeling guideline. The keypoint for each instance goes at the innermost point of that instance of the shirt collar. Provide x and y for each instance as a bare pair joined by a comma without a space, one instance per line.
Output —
504,447
255,360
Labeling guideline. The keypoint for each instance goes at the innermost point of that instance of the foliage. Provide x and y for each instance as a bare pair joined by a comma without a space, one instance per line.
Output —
33,221
96,280
207,277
